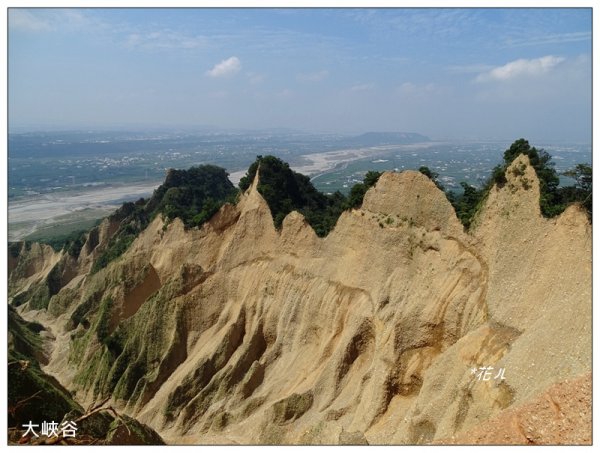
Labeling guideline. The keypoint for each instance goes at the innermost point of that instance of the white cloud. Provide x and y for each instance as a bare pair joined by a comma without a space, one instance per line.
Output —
553,38
165,40
409,88
255,78
469,68
23,20
48,20
362,87
221,94
285,93
314,76
567,81
521,67
225,68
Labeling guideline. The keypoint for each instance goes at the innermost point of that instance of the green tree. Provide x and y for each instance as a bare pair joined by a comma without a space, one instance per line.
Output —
284,190
553,199
498,177
582,174
582,191
193,195
433,176
371,178
520,146
358,191
427,172
466,205
550,203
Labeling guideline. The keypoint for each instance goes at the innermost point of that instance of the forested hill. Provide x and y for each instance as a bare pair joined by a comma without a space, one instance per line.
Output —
285,191
193,195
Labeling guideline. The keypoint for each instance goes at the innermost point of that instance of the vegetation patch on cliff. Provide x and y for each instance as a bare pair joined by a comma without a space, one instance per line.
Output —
285,191
553,199
193,195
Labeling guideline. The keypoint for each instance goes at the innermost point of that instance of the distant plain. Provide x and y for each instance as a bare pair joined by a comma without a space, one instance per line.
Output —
65,181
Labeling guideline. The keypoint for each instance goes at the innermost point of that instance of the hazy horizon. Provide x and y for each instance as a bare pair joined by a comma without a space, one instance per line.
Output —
446,73
203,130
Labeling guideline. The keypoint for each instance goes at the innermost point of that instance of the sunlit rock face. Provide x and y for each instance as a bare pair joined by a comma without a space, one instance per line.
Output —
240,333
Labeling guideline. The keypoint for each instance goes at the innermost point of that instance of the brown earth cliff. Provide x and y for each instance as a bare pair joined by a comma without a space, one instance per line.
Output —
239,333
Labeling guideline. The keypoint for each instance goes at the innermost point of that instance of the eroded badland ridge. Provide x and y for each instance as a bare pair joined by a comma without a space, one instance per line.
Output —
241,333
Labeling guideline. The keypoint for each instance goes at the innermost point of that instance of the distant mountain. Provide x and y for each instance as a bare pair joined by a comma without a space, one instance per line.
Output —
389,138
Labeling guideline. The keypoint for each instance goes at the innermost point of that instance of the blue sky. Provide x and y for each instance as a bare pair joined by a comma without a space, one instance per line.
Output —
447,73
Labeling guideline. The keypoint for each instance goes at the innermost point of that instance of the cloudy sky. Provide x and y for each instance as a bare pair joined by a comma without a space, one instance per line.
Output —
446,73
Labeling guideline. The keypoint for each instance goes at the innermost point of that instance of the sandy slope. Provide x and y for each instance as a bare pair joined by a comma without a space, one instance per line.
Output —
368,334
561,415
